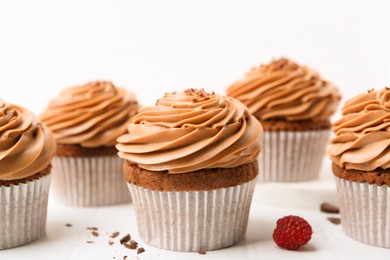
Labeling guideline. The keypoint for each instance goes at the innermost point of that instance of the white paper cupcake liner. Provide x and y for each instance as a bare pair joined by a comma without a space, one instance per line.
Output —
289,156
23,210
89,181
194,220
365,211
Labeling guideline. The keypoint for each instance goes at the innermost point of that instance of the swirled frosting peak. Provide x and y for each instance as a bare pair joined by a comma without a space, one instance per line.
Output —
91,115
26,146
362,135
283,90
191,130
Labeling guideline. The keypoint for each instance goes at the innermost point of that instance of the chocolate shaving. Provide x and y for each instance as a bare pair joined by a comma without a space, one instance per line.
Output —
132,245
329,208
336,221
92,228
140,250
202,252
125,239
115,234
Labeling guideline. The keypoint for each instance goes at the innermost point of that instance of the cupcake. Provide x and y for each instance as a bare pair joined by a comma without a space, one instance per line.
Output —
191,167
86,120
360,152
26,149
294,106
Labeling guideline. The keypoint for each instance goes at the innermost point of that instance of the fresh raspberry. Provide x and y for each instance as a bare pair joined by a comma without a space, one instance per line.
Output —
292,232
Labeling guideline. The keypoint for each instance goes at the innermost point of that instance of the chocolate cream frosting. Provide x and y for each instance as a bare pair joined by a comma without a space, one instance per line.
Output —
191,130
283,90
26,145
91,115
362,135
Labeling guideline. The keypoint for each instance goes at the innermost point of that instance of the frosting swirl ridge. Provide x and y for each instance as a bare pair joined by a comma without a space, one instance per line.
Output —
91,115
26,145
362,135
191,130
283,90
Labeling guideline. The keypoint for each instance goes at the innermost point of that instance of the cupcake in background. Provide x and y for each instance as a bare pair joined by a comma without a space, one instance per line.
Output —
360,152
86,120
26,150
294,105
191,167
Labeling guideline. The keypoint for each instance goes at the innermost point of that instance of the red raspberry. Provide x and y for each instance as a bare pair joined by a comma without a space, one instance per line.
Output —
292,232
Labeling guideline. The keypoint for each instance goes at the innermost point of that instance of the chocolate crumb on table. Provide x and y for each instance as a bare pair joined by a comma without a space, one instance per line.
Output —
329,208
92,228
95,233
202,252
110,243
125,257
90,242
132,245
115,234
68,225
140,250
335,221
125,239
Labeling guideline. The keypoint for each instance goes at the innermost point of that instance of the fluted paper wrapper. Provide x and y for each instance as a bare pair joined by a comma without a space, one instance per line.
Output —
23,210
89,181
289,156
194,220
365,211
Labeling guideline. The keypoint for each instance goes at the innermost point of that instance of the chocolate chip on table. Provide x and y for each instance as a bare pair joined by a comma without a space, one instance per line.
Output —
125,239
329,208
140,250
336,221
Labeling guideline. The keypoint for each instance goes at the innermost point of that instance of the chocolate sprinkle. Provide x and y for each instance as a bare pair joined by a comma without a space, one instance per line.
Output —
125,239
335,221
329,208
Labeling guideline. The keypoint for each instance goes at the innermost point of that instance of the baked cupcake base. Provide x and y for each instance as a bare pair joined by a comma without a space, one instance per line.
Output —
88,177
23,209
190,219
292,151
364,206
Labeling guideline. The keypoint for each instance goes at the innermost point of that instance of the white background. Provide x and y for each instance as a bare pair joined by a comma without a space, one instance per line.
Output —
152,47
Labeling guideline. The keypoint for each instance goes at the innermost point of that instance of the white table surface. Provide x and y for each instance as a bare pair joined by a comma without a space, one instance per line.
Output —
270,202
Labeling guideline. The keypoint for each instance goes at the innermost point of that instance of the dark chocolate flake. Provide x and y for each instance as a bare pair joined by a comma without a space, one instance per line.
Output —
125,239
335,221
140,250
329,208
